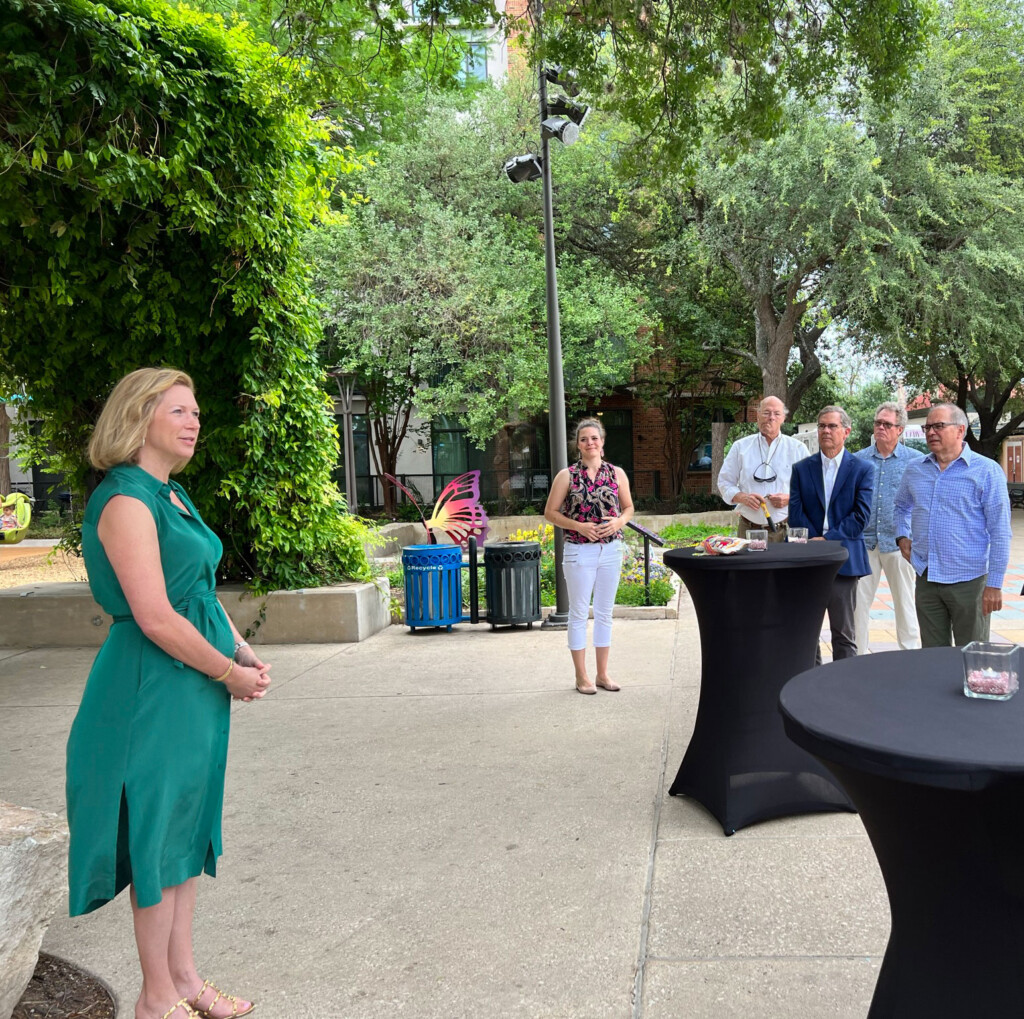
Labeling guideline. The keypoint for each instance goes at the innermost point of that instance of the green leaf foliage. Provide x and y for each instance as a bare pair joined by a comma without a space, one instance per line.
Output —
676,67
359,56
434,291
951,305
157,180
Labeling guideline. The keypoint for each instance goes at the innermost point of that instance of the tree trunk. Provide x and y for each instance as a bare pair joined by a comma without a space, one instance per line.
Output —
5,440
672,446
719,434
773,347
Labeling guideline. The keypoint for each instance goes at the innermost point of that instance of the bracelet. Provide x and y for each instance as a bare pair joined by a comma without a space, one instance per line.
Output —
227,672
239,644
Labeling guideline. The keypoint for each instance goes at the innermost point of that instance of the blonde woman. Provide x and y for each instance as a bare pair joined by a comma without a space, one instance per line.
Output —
590,501
146,754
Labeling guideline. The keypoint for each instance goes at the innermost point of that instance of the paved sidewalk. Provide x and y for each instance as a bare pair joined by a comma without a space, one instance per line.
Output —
436,825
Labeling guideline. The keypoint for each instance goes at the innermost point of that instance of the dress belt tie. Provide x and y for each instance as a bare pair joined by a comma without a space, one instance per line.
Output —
197,609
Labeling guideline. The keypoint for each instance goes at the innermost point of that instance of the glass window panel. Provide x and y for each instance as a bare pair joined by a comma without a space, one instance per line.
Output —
474,63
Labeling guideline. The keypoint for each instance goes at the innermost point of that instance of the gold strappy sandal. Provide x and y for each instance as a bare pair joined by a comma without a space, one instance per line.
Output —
189,1014
207,1012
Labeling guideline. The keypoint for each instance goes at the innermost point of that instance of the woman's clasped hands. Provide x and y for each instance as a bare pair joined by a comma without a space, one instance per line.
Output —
599,530
249,678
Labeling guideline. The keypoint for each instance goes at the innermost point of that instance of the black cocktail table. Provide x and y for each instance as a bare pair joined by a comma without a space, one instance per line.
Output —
938,779
760,616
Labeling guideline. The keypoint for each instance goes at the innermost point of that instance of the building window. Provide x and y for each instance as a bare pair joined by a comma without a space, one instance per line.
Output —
361,444
474,63
618,439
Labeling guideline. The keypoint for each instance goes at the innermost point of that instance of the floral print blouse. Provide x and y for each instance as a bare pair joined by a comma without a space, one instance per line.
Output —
591,501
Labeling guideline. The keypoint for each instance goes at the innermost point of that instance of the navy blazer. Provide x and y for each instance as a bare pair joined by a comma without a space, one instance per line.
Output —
848,511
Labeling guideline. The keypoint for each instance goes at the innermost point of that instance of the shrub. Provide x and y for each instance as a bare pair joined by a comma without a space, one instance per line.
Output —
631,593
687,534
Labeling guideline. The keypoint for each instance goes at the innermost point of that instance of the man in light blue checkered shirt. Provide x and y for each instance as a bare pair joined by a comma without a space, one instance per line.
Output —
953,526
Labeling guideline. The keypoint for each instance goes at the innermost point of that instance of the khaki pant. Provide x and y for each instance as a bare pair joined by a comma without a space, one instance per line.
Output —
902,578
745,525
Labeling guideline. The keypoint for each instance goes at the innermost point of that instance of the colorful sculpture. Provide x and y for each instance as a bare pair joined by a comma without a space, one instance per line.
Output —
457,511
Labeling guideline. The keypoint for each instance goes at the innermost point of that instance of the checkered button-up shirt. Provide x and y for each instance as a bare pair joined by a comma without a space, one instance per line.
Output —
958,520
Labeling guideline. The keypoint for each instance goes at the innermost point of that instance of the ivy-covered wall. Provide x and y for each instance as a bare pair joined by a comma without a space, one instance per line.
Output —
155,179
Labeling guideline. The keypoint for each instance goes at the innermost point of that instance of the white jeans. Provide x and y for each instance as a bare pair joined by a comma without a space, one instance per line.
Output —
591,569
902,579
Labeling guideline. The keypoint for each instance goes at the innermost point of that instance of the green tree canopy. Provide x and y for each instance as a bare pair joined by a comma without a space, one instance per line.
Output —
359,57
951,306
434,291
792,218
675,68
157,179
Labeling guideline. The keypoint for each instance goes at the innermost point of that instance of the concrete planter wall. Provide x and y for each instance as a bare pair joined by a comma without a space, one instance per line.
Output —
65,615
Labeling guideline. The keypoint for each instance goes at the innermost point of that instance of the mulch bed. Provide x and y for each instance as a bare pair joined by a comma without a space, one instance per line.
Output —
59,990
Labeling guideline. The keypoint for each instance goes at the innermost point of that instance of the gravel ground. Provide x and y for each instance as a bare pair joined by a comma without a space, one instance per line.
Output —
40,568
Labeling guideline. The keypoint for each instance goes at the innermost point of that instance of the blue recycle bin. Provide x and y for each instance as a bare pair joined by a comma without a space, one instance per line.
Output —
433,585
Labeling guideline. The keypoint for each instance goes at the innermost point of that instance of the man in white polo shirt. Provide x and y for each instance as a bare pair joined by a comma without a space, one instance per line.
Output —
756,472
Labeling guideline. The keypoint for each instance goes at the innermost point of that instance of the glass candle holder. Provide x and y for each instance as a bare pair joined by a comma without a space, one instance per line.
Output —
758,540
990,670
798,535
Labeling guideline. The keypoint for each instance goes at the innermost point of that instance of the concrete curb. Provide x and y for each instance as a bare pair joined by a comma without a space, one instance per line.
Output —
65,615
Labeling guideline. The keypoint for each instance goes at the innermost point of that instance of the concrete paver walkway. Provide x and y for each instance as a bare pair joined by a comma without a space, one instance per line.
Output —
439,826
436,825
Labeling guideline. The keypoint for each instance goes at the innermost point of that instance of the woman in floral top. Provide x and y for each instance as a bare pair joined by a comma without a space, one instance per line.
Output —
590,501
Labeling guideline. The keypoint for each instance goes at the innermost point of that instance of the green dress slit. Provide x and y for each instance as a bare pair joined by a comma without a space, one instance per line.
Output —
147,750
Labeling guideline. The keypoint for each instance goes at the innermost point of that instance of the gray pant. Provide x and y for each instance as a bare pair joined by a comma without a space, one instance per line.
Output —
947,611
842,610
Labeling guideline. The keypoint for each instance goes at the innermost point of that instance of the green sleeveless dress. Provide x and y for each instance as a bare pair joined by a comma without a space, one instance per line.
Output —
146,754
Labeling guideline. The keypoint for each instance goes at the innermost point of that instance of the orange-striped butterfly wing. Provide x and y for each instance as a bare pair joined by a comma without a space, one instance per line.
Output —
458,512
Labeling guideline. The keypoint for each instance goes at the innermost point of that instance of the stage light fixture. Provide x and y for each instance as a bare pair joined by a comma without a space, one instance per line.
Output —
561,128
565,79
520,168
559,106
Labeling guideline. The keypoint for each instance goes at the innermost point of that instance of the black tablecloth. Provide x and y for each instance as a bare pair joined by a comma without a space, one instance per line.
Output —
904,715
760,616
938,779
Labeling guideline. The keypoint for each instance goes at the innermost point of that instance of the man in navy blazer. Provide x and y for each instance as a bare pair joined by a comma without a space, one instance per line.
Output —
830,495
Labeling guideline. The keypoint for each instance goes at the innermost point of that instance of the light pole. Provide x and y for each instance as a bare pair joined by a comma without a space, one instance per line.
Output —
346,382
556,381
559,119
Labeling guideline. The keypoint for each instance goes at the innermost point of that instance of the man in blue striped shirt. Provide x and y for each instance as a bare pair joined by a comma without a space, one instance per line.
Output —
953,526
889,459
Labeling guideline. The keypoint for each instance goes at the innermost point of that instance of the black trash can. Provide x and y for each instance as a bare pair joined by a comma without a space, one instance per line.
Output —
512,575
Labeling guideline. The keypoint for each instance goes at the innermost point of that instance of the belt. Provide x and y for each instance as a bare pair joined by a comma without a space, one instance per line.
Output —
199,609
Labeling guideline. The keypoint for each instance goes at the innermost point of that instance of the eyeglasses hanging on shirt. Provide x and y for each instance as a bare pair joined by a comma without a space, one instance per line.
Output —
765,472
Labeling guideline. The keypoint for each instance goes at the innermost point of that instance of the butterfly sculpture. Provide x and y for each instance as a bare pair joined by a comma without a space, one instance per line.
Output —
457,511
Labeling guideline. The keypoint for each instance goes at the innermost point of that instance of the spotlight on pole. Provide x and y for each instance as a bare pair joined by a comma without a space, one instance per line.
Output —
559,106
561,128
555,74
520,168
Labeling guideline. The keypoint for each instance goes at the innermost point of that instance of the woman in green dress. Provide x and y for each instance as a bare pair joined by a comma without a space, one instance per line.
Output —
146,754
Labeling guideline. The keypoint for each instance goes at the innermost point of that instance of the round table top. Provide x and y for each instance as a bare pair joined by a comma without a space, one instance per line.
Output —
780,555
903,714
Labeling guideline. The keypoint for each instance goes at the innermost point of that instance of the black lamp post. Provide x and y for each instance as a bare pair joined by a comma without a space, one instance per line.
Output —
346,382
559,119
